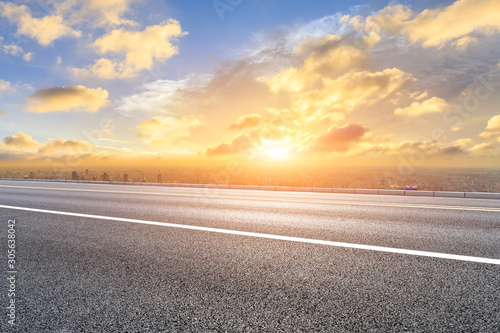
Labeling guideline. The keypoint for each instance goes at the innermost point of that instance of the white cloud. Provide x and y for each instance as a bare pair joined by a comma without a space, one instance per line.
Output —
157,96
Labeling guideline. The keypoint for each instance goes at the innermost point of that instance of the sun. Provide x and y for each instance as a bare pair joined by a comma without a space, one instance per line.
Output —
276,150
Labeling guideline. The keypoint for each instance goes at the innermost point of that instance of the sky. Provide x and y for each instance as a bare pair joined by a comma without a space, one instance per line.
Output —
122,82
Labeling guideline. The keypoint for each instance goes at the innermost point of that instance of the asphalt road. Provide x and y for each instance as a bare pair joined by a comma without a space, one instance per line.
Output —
95,274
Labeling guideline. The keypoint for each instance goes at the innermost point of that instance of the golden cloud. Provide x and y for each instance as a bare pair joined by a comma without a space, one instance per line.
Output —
21,140
168,130
494,124
338,139
239,144
431,105
255,141
22,146
435,27
485,146
492,128
44,30
327,58
68,98
96,12
246,121
349,91
63,145
462,142
140,49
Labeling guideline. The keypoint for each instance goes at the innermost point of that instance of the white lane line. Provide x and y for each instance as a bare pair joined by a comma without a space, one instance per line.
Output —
302,200
270,236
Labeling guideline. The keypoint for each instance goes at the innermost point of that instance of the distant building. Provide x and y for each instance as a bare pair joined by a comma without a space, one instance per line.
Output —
105,177
125,177
158,178
74,176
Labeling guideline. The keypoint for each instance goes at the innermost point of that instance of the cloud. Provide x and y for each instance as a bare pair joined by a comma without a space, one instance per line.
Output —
492,128
452,150
27,56
327,56
2,112
5,86
68,98
157,96
349,91
254,142
44,30
431,105
239,144
104,68
222,149
16,50
485,146
494,124
168,130
12,49
59,60
97,13
21,140
462,142
22,147
338,139
464,42
63,145
139,48
435,27
246,121
334,75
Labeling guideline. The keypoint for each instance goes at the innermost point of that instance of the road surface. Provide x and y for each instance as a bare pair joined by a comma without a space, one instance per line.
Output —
112,258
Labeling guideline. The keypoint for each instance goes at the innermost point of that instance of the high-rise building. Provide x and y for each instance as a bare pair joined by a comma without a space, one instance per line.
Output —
74,176
125,177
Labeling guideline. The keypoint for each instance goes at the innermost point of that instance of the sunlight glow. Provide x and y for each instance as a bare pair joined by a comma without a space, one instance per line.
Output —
276,150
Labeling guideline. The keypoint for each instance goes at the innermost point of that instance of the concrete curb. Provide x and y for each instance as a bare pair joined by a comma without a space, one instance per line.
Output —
441,194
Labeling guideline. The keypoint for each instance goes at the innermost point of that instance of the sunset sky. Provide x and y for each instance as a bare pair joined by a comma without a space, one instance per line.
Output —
108,81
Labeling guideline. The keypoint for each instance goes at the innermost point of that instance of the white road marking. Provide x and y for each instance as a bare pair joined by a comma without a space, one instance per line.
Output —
271,236
302,200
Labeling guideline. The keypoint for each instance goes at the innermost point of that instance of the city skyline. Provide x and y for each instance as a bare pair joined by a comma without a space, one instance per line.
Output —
246,83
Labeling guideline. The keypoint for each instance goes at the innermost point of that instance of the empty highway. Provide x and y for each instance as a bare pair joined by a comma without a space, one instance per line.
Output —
116,258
